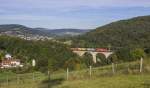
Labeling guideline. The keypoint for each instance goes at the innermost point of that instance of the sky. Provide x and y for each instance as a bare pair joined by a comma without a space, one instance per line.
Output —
83,14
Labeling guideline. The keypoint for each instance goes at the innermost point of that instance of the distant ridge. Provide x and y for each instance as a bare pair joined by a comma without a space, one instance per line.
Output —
16,29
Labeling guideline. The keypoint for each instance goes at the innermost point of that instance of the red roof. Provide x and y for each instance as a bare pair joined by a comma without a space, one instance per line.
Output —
8,61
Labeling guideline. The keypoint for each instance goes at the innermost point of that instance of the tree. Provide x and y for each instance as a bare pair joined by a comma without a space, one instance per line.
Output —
87,59
124,54
48,54
114,58
137,53
101,60
73,64
1,55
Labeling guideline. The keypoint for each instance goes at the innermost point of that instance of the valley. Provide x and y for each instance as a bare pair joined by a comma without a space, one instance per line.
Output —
114,55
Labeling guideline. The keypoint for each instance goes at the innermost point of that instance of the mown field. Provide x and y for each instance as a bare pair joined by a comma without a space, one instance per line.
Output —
126,75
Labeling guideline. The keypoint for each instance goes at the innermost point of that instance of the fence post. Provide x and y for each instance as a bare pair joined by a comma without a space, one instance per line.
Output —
113,68
18,79
141,64
0,83
48,79
90,71
7,80
33,78
67,73
48,75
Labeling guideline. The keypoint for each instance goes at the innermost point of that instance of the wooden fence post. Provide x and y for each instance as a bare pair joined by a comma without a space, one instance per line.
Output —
33,78
18,79
0,83
48,75
90,71
48,79
67,73
141,64
113,68
7,80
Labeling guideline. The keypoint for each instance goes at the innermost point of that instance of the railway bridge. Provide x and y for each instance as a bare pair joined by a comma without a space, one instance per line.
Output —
93,52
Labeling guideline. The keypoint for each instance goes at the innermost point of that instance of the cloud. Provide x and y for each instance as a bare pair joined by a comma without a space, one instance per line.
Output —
70,13
3,11
54,4
64,6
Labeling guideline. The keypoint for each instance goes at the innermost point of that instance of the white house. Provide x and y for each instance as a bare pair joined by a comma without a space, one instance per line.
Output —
9,62
8,56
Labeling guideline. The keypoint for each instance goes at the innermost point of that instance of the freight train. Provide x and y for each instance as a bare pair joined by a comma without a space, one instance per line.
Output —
91,49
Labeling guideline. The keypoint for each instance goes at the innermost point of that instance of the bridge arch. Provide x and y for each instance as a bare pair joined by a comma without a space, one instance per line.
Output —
100,56
88,58
93,53
102,60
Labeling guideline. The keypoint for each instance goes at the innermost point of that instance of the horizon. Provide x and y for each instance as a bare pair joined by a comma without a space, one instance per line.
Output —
83,14
75,28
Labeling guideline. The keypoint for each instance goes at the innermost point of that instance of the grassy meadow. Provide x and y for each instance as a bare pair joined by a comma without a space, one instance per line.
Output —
126,75
117,81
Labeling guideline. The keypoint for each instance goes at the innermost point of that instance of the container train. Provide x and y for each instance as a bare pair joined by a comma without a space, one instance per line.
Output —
91,49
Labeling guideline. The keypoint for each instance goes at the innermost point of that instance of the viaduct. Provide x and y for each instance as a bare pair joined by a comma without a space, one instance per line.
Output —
93,52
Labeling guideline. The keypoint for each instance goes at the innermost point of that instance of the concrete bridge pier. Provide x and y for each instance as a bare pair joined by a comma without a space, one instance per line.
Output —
94,56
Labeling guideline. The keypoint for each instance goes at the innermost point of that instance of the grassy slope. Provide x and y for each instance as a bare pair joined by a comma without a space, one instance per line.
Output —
21,80
124,78
119,81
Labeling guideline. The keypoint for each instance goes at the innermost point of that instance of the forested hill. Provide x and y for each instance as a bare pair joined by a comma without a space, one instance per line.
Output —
16,29
133,32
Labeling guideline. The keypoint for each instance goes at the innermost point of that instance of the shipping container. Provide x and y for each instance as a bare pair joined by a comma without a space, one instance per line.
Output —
90,49
101,50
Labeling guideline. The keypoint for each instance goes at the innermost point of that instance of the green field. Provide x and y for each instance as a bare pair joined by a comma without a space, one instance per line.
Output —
126,75
118,81
28,80
115,81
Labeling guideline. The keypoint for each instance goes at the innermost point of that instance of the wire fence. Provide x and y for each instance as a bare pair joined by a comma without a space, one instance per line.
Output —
38,80
31,80
137,67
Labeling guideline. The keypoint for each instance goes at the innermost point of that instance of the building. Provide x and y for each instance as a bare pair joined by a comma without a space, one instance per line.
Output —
8,56
9,62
